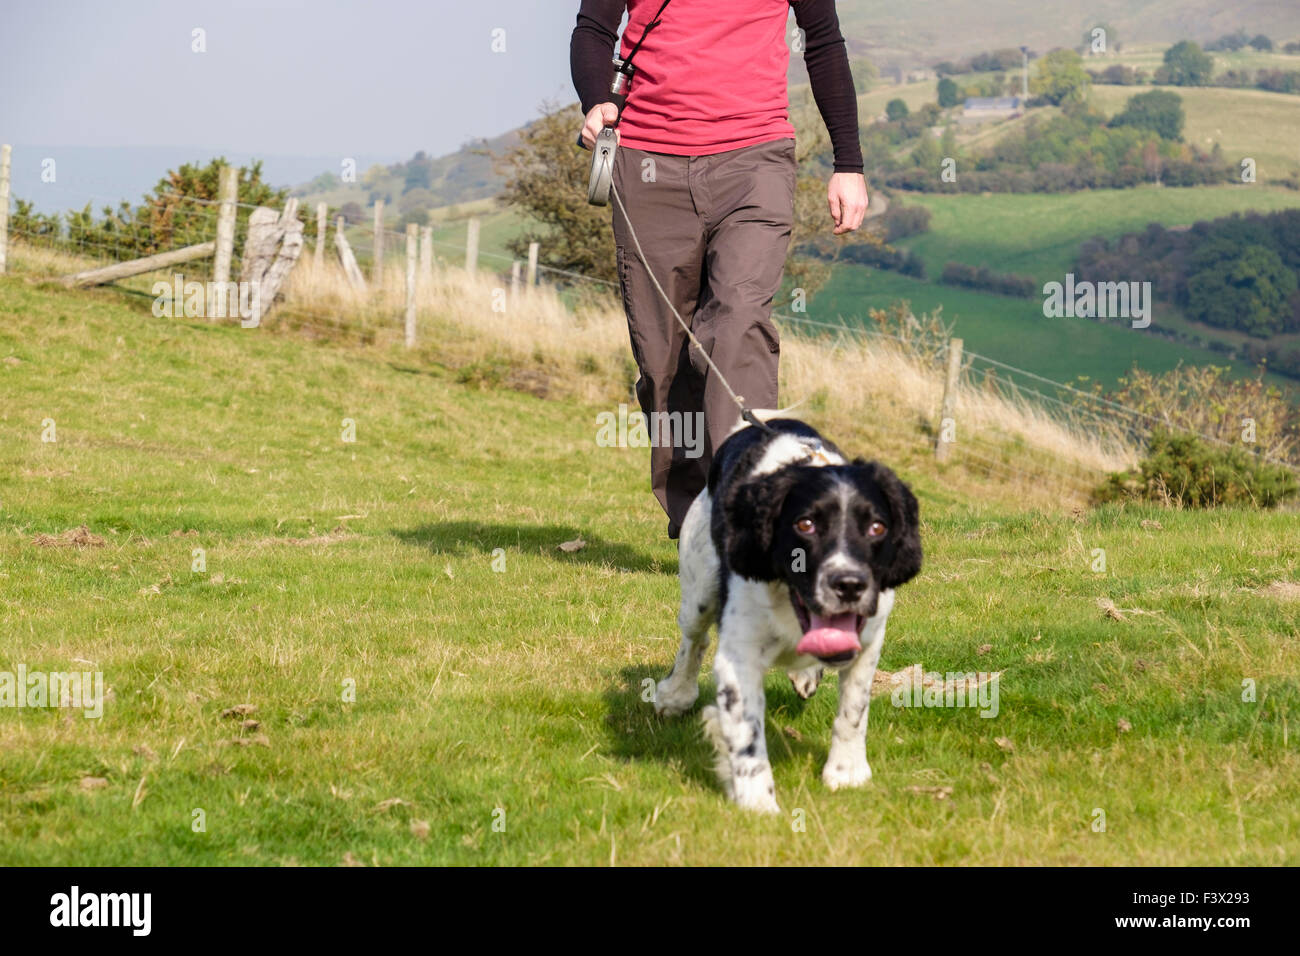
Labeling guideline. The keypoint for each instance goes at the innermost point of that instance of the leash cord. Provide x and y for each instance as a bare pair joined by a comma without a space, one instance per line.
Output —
745,413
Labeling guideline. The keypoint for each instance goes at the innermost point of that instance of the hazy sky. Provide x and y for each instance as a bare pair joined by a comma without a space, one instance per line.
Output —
321,77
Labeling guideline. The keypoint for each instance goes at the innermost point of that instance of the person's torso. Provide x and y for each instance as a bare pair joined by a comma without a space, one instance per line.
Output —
711,77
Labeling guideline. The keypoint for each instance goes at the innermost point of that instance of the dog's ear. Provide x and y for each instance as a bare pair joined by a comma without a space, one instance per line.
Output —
902,556
750,511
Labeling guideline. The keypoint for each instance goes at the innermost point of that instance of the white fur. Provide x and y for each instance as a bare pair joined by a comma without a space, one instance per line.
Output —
758,631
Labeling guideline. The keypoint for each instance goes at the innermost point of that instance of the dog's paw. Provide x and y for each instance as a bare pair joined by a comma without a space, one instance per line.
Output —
806,681
672,700
766,803
840,773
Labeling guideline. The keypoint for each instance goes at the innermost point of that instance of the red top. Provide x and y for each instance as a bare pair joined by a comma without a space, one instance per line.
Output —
710,78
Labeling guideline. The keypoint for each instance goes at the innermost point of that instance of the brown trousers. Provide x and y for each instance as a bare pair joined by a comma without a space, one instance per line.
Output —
715,231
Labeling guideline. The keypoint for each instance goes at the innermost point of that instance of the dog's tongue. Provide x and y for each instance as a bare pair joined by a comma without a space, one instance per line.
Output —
830,636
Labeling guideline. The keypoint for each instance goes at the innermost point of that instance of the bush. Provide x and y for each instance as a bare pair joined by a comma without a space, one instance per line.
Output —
1160,111
948,93
1188,65
1183,470
980,277
883,257
899,221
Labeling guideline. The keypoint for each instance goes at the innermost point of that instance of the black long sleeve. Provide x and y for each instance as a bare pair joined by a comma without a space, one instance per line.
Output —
591,50
827,60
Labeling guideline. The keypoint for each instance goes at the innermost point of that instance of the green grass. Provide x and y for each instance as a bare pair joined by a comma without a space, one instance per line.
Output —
1246,123
480,691
1009,329
1039,236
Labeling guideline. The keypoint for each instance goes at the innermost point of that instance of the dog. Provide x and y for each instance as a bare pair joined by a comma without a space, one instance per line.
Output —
795,553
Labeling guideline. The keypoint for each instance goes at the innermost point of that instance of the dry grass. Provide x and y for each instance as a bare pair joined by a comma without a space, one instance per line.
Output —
873,394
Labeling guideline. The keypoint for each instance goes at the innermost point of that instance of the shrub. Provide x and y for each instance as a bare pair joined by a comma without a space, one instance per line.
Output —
1186,471
1188,65
899,221
980,277
1160,111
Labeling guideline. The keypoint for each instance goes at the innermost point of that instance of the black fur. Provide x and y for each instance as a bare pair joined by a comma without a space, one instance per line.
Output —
754,518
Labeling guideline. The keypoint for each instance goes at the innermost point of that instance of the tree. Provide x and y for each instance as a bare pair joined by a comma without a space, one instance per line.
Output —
352,213
1160,111
1262,43
864,75
1188,64
1060,78
546,179
896,109
1240,287
949,93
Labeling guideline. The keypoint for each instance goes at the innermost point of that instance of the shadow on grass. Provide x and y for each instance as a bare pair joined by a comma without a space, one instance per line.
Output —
460,537
637,733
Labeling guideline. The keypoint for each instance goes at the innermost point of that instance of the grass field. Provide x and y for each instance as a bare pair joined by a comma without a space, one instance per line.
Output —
513,696
1246,123
1039,236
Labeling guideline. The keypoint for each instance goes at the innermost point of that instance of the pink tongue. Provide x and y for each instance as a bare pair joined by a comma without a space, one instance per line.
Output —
830,636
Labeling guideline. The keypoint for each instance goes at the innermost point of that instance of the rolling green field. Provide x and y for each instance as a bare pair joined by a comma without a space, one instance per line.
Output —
1246,123
426,678
1039,235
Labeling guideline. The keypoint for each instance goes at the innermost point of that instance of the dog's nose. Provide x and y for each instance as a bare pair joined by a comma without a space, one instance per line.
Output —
849,585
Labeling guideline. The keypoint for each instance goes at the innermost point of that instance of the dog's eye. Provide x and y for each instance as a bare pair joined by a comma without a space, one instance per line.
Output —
876,529
805,526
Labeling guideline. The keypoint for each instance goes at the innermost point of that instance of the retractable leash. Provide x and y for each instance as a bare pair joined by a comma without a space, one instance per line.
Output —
601,186
602,162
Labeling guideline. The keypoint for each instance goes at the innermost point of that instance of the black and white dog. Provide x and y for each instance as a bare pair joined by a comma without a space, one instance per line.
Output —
795,553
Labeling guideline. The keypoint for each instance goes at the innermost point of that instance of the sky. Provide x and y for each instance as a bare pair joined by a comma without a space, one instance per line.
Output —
382,77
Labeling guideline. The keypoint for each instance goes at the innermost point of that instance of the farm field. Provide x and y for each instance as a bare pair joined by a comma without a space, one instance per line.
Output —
513,696
1257,124
1039,236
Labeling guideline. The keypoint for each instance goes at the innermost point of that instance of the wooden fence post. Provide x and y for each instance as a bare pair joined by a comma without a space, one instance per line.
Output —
516,269
471,247
533,249
377,274
349,261
4,206
319,258
229,192
426,252
948,412
411,230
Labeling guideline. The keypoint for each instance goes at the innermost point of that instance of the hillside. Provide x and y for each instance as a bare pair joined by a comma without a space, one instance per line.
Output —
926,31
494,674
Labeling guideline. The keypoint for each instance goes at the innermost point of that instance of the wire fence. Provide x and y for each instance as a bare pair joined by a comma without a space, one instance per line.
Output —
1084,411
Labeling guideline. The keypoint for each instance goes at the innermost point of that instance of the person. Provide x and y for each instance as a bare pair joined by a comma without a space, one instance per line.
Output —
705,168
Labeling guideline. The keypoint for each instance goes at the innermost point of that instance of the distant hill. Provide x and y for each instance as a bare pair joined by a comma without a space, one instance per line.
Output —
922,32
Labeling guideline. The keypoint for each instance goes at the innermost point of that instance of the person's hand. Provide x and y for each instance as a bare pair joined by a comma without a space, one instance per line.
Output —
606,114
847,198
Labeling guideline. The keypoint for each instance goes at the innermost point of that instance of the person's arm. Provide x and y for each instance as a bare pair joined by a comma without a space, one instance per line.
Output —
827,60
591,50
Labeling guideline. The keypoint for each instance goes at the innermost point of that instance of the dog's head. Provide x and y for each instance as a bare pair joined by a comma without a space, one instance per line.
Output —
836,535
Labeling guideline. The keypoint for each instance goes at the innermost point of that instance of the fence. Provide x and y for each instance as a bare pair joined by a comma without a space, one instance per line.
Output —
965,372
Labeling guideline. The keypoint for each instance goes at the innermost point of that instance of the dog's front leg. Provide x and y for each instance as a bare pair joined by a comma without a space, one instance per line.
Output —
846,764
736,725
